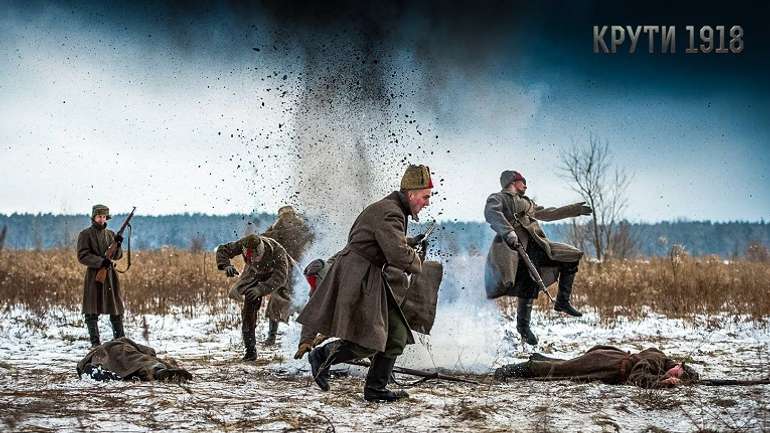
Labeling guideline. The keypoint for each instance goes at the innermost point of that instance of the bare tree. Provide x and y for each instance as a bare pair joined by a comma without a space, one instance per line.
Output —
197,243
3,232
589,169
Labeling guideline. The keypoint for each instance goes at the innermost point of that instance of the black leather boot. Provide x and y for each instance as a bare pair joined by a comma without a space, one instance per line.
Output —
250,343
117,326
523,317
513,370
375,388
323,357
92,324
271,333
566,278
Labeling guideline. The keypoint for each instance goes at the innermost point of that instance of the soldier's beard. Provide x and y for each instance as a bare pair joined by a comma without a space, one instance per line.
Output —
100,226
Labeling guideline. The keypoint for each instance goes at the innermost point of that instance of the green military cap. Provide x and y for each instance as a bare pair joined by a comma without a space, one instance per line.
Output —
416,177
100,209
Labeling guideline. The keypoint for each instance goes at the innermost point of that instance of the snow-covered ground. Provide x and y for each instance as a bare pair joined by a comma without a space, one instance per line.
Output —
41,392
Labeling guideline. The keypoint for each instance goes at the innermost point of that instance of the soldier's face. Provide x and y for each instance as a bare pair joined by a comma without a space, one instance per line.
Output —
419,199
520,186
100,219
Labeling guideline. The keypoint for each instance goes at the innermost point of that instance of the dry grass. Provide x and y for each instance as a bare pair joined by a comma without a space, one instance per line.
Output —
678,286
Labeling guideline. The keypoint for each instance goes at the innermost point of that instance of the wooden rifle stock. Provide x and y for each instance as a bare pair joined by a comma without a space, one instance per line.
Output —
112,250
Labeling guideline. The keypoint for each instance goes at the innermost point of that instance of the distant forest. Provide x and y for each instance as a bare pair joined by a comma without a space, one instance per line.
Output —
199,231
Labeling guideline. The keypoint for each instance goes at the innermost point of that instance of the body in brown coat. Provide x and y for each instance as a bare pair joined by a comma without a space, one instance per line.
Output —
125,359
606,364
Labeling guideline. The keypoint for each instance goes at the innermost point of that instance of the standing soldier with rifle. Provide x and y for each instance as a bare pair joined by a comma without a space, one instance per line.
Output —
361,298
97,248
294,235
519,242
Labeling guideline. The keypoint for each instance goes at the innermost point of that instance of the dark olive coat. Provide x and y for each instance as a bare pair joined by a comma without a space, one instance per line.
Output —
502,261
294,235
270,274
99,298
125,358
351,302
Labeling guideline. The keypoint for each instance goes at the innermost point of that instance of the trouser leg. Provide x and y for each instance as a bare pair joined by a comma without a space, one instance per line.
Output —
117,326
567,273
272,332
249,314
92,324
523,319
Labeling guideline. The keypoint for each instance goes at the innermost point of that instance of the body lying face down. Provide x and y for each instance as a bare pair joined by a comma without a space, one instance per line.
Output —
124,359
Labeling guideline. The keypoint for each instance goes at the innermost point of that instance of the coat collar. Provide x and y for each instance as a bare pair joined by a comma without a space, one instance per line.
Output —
400,198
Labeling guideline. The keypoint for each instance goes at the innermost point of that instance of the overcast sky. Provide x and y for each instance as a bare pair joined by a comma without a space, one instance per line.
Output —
193,111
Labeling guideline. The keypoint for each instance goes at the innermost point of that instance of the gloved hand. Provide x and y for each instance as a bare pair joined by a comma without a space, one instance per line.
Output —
512,240
118,239
585,209
251,294
106,263
303,348
230,271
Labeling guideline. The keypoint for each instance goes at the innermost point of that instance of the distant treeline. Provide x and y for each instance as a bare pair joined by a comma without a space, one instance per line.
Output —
200,231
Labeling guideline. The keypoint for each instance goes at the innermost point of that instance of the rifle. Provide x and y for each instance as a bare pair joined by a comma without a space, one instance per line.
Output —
428,232
112,250
732,382
425,375
531,267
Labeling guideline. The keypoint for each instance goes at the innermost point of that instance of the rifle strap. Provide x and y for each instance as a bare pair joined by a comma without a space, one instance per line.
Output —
128,264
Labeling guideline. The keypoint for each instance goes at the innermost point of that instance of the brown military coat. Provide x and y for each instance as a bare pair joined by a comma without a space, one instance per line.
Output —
99,298
351,303
270,274
609,365
124,357
294,235
502,261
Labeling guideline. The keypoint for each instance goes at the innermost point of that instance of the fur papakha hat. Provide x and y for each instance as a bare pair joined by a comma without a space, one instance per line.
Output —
100,209
416,177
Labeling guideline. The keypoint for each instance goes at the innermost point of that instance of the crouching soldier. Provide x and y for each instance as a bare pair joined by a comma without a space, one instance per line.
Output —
100,298
514,218
292,232
123,359
364,298
649,368
266,272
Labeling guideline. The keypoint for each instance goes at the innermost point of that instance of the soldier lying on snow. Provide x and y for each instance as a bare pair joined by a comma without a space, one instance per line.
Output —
649,368
123,359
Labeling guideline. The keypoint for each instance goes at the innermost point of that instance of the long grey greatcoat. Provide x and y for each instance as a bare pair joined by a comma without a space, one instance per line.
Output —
99,298
502,261
351,302
270,274
294,235
125,358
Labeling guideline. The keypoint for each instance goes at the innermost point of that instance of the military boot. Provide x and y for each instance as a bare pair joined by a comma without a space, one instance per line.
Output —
513,370
375,387
323,357
271,333
250,343
523,317
92,323
566,278
117,326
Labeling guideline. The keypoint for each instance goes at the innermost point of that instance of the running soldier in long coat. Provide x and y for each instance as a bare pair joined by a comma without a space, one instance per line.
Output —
266,273
124,359
514,218
649,368
100,298
293,233
359,300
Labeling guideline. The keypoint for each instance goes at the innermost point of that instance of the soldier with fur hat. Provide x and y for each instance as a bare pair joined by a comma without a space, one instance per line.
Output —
360,299
100,298
266,273
514,218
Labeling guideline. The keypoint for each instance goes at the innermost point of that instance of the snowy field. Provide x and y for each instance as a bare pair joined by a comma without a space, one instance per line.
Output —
41,391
